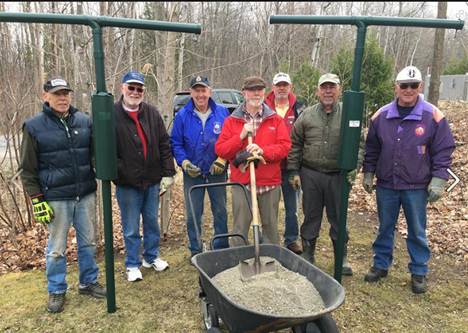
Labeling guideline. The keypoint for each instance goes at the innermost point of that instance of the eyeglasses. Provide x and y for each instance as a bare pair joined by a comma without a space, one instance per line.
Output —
138,89
404,86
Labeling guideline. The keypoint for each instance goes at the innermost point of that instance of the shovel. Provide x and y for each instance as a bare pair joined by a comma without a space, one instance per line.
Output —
249,268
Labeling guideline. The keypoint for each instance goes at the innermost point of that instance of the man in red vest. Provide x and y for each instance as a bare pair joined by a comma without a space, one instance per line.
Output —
284,103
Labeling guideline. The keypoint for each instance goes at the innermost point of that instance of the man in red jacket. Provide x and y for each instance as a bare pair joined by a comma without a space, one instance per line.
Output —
271,142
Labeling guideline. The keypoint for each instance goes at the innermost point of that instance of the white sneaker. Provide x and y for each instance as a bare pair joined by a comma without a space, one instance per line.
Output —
158,264
134,274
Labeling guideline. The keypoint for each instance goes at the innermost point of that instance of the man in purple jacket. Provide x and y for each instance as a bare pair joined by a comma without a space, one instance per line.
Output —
408,147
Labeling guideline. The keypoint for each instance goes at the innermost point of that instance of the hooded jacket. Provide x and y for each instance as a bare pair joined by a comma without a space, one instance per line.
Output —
272,136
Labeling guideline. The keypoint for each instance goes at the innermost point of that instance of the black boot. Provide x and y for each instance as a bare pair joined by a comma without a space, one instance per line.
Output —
308,250
346,270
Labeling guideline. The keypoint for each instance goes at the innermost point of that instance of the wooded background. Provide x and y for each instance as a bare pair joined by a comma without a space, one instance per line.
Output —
236,41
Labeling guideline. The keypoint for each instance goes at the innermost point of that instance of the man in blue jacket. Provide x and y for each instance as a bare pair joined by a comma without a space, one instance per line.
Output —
57,174
195,131
408,148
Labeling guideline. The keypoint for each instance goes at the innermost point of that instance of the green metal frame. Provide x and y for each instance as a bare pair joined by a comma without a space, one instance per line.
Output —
361,22
105,115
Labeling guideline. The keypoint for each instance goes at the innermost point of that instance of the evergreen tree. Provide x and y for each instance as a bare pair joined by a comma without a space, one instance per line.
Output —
457,67
376,74
305,83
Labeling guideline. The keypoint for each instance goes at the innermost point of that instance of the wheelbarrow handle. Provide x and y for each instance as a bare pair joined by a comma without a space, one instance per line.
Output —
203,186
227,236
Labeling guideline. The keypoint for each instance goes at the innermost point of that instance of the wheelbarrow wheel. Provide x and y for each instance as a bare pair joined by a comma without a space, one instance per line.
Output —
324,324
306,328
210,317
327,324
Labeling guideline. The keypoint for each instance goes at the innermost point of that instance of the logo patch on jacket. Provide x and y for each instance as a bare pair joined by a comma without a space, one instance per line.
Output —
419,131
217,127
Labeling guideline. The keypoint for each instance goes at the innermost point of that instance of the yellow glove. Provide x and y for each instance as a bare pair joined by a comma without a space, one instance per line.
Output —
191,169
294,180
42,212
218,167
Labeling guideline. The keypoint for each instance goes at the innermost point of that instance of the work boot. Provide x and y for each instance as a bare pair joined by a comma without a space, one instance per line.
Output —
375,274
308,250
346,270
93,289
56,302
418,284
294,247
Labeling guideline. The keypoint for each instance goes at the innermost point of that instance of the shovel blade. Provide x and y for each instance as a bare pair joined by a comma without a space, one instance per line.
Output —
250,267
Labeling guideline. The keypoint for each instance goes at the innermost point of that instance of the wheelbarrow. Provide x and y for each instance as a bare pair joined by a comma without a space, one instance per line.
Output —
217,307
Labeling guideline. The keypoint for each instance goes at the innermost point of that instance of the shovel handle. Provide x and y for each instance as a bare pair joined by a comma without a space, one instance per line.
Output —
253,186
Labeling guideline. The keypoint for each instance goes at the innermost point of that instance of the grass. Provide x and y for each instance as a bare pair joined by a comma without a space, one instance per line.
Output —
168,301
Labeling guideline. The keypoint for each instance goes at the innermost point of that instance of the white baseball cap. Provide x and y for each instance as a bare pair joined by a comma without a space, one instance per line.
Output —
328,77
409,74
281,77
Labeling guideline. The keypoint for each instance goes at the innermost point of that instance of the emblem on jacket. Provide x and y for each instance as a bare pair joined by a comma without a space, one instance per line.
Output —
419,131
217,127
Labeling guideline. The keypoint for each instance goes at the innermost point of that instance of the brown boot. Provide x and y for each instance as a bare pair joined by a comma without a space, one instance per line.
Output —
294,247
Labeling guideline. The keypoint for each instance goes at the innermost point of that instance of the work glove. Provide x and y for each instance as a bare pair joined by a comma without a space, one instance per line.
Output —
294,180
243,158
218,167
42,212
368,182
191,169
436,189
164,185
351,177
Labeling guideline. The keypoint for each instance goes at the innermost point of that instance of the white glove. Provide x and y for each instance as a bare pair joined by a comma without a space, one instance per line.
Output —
166,182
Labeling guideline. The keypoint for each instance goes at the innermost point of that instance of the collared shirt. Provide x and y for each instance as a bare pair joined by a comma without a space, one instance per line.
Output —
256,120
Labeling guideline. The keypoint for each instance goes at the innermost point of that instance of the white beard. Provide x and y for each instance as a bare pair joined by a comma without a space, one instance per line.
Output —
255,102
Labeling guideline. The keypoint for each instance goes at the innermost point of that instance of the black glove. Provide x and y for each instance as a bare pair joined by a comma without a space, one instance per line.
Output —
242,157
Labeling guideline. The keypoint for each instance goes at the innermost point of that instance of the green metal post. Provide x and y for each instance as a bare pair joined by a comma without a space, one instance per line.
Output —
102,109
361,23
105,183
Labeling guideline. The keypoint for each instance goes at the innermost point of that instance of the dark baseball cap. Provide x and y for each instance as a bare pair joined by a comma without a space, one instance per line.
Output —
253,82
55,84
199,81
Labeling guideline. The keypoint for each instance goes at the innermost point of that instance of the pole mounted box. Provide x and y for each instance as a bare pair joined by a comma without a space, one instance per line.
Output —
105,149
351,124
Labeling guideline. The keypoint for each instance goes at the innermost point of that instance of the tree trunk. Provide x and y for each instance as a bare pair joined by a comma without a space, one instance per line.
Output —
438,56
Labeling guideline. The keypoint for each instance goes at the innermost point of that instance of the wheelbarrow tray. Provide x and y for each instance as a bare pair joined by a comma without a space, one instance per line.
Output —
236,317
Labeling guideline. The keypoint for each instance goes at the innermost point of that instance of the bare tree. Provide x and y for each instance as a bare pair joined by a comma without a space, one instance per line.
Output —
438,55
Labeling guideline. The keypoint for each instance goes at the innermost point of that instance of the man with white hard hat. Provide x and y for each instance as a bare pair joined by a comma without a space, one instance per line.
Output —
408,148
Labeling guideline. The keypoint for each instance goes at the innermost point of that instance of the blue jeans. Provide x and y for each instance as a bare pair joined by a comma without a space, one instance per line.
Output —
134,202
217,197
414,203
82,215
290,196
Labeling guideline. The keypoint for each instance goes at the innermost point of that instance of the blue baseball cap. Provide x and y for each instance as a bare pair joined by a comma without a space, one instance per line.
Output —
134,77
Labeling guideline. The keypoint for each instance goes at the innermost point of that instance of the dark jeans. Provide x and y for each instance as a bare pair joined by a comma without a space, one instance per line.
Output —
290,196
217,197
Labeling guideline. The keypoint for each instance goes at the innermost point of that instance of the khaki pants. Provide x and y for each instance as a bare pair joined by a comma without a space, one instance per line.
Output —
268,204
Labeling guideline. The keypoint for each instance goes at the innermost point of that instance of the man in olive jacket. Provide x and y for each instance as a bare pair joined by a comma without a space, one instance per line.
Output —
313,164
145,167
